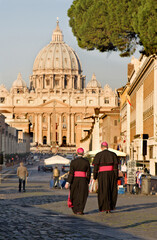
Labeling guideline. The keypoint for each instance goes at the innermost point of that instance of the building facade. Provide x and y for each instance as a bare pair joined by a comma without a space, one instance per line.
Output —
12,140
110,128
139,112
55,107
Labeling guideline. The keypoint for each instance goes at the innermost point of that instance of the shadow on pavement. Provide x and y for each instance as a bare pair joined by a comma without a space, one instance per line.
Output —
140,206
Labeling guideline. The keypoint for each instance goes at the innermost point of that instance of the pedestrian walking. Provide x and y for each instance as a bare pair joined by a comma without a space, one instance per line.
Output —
78,178
106,171
22,173
56,174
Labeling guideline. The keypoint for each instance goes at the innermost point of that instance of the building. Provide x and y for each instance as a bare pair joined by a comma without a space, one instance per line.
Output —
12,141
139,112
54,107
110,128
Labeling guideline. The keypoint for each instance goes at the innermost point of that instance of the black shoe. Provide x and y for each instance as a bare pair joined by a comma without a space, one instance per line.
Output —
80,213
108,211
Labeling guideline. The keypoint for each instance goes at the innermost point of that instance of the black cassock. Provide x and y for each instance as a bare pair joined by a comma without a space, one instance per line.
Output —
79,185
107,180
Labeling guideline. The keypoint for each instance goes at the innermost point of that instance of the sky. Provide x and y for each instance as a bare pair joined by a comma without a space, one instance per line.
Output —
26,26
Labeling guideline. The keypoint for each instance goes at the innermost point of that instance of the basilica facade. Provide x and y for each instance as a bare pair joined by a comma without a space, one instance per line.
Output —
57,107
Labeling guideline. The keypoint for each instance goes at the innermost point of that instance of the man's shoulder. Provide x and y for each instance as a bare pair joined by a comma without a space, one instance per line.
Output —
99,154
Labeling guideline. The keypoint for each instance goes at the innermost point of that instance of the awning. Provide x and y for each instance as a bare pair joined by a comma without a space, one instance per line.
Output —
117,152
56,160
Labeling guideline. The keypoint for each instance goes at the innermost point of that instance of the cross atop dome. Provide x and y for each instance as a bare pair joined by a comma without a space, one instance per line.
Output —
57,35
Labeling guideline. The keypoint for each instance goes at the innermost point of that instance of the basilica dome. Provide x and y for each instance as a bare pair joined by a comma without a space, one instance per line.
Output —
19,82
57,56
93,83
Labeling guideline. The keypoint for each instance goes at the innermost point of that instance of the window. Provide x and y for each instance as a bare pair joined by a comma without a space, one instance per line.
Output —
64,101
30,101
17,101
115,122
106,100
2,100
115,139
47,82
93,91
75,82
90,101
65,82
78,101
44,101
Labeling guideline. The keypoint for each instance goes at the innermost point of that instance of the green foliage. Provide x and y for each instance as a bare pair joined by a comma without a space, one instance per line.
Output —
146,25
113,25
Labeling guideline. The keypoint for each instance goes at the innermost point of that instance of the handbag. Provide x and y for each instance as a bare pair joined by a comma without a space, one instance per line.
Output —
69,202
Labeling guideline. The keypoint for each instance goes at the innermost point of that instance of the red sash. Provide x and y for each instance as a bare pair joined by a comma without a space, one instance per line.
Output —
105,168
76,174
79,174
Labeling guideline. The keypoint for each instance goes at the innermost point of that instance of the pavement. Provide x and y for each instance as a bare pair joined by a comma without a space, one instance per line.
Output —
42,213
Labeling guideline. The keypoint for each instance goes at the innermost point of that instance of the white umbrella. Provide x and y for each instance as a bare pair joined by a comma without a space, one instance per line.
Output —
56,160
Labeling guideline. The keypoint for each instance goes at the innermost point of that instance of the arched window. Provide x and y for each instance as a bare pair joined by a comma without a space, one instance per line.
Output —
64,140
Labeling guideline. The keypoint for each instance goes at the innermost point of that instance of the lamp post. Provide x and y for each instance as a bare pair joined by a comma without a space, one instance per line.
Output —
95,136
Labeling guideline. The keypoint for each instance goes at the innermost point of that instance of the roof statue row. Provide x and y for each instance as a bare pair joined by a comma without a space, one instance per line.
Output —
20,83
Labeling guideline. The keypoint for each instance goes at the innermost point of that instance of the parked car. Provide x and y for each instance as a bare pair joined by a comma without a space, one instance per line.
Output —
47,168
30,163
70,156
66,168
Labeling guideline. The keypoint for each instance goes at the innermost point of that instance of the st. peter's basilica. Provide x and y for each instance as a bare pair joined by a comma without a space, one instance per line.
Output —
58,106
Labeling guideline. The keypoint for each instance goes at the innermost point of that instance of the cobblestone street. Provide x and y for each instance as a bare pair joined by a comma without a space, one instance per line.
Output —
42,213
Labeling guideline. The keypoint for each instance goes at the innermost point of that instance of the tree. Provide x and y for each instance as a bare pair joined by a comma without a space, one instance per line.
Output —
113,25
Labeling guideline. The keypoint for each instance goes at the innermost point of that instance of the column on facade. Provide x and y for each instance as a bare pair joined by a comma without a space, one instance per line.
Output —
128,129
40,128
7,142
36,128
68,129
49,129
155,103
95,135
60,129
54,127
62,82
72,128
73,81
3,141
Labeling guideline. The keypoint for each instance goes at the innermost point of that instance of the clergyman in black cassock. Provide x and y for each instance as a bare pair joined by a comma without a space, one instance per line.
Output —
106,171
79,178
